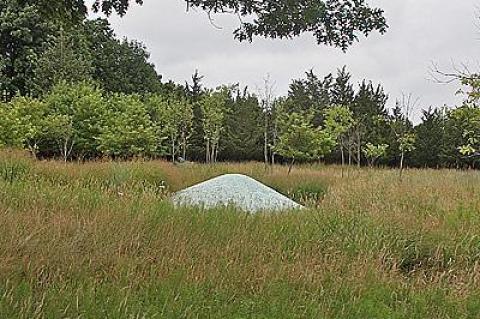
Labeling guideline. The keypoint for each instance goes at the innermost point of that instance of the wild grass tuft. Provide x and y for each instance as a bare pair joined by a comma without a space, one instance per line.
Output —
14,166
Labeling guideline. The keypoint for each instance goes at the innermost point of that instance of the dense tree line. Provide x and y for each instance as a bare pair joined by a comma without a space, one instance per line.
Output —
71,89
322,118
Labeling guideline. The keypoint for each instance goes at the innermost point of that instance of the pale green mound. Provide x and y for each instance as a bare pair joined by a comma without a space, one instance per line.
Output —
238,190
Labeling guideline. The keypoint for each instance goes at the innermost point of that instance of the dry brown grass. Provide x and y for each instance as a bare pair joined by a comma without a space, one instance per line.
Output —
106,231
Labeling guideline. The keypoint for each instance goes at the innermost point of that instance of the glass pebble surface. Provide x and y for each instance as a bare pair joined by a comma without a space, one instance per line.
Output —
237,190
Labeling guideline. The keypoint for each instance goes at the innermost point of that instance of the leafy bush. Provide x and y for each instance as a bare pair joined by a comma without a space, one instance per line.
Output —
12,128
76,116
128,130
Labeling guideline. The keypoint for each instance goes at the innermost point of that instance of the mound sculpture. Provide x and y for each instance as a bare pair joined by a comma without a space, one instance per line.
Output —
237,190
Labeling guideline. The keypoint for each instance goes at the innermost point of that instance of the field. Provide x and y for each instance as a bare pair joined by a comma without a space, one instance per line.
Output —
101,240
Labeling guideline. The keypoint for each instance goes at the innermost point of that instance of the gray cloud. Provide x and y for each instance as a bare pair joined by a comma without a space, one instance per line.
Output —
421,33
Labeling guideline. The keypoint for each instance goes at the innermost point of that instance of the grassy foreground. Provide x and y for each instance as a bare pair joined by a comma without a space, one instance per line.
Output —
101,240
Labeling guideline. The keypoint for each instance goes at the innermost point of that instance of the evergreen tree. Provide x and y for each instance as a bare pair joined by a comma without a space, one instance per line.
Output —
310,95
342,92
194,92
371,119
430,140
243,137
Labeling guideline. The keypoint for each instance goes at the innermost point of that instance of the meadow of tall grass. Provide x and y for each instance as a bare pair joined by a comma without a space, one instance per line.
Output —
102,240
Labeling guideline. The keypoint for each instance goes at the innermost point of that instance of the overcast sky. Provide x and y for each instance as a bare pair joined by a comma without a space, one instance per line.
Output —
421,32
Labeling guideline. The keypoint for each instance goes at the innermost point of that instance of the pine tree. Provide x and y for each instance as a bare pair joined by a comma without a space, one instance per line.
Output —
243,137
194,92
371,118
430,140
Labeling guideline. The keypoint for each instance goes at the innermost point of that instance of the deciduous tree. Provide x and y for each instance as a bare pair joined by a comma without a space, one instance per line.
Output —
23,30
300,140
12,130
120,66
338,121
33,120
78,112
128,130
403,127
173,118
334,22
213,108
465,131
374,152
66,58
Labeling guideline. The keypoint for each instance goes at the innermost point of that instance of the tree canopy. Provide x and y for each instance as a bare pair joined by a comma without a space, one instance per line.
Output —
336,23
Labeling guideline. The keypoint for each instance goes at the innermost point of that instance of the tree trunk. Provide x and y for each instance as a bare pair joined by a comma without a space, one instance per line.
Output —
65,151
401,164
213,150
184,146
216,153
359,151
173,150
343,158
265,137
33,149
274,140
207,156
291,166
349,155
213,147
